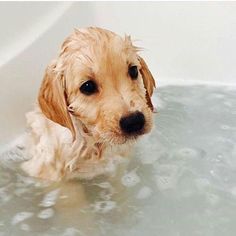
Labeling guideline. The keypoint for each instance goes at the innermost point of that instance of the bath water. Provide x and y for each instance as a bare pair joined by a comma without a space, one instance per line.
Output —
181,179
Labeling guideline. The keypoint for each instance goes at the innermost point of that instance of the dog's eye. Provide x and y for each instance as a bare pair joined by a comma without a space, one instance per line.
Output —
88,88
133,72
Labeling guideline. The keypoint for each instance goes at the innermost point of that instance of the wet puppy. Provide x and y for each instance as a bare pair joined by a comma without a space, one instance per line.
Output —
94,101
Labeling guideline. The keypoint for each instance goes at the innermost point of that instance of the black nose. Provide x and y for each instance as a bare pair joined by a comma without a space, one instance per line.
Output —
132,123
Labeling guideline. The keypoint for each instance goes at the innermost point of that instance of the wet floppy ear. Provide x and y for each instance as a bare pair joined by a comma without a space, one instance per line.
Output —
148,81
52,99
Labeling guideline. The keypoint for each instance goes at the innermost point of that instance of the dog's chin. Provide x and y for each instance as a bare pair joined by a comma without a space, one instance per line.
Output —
124,139
118,137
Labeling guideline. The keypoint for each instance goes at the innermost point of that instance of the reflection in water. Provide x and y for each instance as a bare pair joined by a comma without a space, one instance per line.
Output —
180,181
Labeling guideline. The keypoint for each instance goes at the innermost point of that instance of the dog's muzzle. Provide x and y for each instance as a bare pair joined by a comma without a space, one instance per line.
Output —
132,124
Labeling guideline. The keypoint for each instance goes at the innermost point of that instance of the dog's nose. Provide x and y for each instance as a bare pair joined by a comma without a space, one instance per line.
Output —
132,123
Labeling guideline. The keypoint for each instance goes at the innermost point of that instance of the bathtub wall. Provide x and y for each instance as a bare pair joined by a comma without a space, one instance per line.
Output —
183,41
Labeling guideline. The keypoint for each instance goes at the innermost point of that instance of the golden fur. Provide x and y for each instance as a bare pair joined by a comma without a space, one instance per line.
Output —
74,135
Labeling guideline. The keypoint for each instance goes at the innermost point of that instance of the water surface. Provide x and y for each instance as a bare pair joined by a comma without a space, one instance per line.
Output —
180,181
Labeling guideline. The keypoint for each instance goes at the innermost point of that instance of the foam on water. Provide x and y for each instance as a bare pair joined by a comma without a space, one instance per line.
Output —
104,206
181,180
50,198
45,214
21,216
130,179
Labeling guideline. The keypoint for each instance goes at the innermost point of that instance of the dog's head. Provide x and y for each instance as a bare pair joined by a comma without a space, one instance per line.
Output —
100,80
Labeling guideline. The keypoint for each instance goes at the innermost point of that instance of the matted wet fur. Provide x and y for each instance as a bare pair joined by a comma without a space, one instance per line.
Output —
75,135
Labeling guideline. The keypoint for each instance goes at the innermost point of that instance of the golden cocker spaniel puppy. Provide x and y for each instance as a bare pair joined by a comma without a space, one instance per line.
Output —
94,101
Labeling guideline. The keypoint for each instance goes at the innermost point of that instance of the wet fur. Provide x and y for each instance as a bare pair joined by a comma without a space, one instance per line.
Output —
74,135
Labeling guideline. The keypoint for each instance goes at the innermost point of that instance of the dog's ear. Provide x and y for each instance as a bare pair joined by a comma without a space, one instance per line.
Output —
148,81
53,101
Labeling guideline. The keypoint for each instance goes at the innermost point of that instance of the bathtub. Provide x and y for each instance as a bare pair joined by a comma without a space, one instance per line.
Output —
182,177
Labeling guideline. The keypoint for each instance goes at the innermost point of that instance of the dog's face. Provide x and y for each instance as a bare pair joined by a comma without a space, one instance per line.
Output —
100,80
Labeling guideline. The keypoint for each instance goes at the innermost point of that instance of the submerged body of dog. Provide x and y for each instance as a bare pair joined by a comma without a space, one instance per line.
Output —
93,103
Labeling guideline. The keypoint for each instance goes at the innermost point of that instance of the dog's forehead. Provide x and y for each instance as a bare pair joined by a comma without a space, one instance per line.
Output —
98,53
115,55
109,48
112,55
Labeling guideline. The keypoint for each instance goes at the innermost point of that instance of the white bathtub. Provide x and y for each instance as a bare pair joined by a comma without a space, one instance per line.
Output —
186,43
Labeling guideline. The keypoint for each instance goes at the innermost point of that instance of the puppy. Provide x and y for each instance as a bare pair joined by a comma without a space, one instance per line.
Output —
94,102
